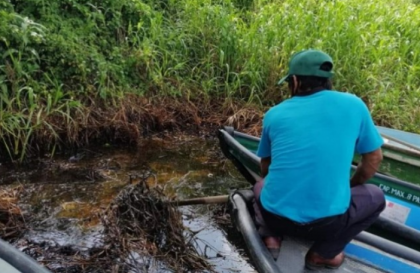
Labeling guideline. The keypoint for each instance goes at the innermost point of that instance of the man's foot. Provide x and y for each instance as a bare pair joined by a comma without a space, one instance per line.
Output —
315,261
273,245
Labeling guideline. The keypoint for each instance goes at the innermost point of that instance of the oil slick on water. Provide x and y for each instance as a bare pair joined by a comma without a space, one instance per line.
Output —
66,196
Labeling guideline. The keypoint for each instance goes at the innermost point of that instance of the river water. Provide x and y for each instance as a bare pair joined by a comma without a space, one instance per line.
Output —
66,194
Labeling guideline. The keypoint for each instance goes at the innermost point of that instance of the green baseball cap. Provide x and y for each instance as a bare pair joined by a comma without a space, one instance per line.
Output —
308,63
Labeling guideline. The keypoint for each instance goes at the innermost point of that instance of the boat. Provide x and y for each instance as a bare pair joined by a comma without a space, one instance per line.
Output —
401,152
367,253
400,221
401,140
14,261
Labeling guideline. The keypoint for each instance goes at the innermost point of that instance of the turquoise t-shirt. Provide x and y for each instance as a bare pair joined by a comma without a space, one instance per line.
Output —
312,140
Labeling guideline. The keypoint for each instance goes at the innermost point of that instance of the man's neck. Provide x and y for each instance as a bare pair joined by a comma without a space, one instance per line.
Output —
310,92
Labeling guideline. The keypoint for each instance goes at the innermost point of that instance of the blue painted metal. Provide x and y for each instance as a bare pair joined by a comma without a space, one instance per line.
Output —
407,137
379,259
413,217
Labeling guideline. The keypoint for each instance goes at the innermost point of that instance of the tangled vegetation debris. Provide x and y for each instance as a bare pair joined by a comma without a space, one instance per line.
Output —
141,221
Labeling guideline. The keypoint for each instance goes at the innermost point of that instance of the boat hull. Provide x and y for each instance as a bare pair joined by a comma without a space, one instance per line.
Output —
14,261
402,147
366,254
400,219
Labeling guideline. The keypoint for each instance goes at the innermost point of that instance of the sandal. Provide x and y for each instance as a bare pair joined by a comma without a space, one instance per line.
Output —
315,261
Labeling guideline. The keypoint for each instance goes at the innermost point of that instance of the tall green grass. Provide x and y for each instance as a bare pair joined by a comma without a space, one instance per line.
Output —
374,44
58,57
234,49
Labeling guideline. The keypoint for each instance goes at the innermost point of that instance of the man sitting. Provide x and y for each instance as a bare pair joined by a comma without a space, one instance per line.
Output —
307,147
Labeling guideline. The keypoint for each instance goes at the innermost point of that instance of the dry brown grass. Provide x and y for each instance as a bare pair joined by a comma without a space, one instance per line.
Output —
12,222
134,117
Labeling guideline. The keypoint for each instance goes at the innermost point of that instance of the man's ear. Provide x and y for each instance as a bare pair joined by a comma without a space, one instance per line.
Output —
296,84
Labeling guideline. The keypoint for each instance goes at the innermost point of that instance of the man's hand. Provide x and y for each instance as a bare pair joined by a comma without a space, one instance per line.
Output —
367,167
265,163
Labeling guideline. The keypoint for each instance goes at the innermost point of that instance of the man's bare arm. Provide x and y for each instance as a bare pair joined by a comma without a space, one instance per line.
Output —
265,163
367,167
